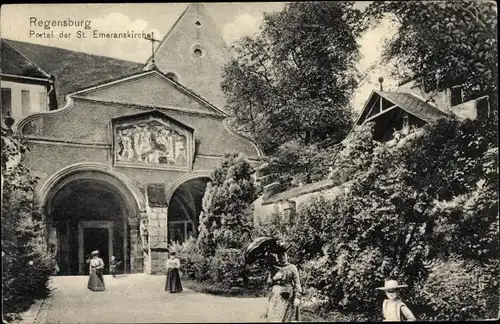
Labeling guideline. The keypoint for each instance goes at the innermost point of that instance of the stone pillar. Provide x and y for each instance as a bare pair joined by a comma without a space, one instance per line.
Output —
157,209
136,257
158,238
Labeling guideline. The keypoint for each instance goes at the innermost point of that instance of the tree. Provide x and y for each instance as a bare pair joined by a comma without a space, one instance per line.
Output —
443,43
425,212
26,264
293,163
227,217
294,79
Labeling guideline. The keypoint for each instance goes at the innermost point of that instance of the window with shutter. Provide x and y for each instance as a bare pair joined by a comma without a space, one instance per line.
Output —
6,102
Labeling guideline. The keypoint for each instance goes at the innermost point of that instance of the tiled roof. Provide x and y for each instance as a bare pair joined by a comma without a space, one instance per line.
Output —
73,70
413,105
13,62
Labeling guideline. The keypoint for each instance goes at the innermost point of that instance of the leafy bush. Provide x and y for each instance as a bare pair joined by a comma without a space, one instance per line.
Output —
456,289
228,268
226,228
294,163
227,217
433,198
26,263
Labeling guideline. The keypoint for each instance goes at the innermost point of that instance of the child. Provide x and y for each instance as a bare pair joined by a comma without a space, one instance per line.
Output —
393,307
113,265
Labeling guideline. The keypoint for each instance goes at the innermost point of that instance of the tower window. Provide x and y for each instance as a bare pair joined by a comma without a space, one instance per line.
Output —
198,52
198,23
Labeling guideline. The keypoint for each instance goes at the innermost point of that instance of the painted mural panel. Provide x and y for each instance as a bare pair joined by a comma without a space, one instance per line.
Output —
151,143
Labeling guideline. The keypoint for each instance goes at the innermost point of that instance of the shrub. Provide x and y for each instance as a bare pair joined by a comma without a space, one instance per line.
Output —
228,268
26,263
307,234
461,290
227,217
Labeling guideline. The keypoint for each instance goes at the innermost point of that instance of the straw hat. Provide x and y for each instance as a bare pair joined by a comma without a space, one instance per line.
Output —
96,252
391,285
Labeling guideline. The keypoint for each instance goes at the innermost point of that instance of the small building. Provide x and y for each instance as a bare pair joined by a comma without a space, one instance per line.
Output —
397,113
26,88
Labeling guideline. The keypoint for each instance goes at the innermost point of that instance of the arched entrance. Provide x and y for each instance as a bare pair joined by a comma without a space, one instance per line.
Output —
185,208
88,211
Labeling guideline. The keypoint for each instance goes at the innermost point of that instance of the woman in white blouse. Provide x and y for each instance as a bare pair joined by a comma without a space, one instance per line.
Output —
173,284
96,267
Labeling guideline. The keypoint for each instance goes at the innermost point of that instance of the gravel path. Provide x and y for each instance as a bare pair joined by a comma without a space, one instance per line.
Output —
141,298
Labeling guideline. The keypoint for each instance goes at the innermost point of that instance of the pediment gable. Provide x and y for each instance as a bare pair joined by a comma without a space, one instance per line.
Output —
151,89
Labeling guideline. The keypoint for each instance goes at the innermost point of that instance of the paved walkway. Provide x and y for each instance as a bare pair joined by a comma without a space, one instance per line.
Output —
141,298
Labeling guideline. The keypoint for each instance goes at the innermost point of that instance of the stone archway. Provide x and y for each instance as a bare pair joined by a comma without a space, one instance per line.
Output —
184,209
88,210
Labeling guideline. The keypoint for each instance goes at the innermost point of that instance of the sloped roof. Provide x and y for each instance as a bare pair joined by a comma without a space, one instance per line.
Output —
74,70
413,105
15,63
193,94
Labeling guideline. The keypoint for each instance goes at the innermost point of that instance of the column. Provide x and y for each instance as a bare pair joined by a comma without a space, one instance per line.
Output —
158,238
136,257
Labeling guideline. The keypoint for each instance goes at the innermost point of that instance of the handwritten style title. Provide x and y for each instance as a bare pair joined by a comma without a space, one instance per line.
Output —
48,24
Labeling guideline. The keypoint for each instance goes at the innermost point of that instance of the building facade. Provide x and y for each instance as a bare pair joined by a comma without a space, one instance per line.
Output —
124,164
26,88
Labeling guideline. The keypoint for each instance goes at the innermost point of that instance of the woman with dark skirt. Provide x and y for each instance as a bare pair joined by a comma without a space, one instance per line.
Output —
173,284
96,280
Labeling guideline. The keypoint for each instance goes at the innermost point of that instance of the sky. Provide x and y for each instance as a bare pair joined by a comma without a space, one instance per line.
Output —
234,20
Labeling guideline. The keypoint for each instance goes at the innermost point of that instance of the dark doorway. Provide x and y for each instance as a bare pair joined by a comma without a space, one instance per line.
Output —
73,208
96,239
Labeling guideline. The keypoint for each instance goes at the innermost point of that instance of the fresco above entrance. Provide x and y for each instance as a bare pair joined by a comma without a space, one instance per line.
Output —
152,142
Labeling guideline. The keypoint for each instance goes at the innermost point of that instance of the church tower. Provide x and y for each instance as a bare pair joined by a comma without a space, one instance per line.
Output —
193,53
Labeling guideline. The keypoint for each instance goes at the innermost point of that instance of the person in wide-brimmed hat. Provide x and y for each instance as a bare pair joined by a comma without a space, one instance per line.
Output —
286,290
96,266
393,307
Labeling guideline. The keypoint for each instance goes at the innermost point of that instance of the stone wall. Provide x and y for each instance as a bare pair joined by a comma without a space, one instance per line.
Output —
288,202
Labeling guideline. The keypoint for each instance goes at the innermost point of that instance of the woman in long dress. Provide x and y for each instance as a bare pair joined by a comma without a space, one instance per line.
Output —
173,284
96,266
286,290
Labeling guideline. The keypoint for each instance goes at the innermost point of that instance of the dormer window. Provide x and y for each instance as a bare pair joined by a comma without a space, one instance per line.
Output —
456,95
